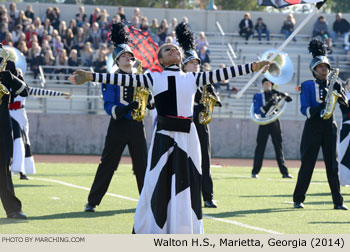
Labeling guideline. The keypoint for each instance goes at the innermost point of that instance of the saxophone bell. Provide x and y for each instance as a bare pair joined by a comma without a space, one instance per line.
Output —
209,99
4,57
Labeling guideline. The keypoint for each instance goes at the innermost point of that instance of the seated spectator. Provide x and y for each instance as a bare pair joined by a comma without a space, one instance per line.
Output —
103,47
8,39
121,14
173,24
86,33
95,35
36,59
135,22
203,54
246,27
73,26
184,20
144,24
104,18
48,27
162,31
73,60
116,19
58,46
100,65
79,40
48,61
261,28
13,15
56,18
137,13
29,12
288,26
3,31
154,27
321,30
172,38
62,28
68,40
341,28
17,33
81,17
61,60
39,28
86,55
22,47
95,16
201,41
22,19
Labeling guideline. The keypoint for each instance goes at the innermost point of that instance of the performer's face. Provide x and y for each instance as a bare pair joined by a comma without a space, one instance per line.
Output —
322,70
125,60
170,54
267,85
192,66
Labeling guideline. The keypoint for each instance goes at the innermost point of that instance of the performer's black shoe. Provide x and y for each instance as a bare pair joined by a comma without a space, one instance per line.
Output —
287,176
17,215
210,204
298,205
255,175
90,208
23,176
340,207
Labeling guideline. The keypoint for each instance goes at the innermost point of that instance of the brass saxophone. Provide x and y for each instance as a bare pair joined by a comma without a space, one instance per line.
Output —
141,96
208,100
4,55
332,97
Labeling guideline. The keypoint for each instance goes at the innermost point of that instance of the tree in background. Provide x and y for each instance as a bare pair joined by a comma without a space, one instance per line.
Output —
339,6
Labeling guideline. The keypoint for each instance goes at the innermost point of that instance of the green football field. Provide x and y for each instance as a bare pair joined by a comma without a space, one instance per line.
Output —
54,200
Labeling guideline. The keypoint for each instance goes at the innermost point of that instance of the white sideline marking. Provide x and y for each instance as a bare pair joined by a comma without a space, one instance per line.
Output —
132,199
54,198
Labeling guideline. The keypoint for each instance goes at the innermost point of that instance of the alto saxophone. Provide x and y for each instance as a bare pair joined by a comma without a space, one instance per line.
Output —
141,96
332,97
208,100
3,89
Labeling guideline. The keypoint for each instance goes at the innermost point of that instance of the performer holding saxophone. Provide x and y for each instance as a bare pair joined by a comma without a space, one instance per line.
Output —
318,98
191,63
10,87
263,102
126,126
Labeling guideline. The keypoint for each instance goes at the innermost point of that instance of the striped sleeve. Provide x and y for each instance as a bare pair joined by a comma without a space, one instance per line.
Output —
44,92
211,77
126,80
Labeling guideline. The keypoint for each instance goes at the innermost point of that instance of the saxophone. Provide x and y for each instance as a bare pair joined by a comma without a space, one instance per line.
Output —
332,97
208,100
141,96
4,55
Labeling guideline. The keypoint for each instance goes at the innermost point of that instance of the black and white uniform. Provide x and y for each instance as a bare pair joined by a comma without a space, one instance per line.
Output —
16,87
170,200
204,139
344,146
23,160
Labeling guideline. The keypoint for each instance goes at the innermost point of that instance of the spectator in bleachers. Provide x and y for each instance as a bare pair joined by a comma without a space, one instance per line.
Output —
100,65
95,16
86,32
29,35
58,46
17,33
13,15
144,24
116,19
95,35
29,12
22,19
86,55
73,26
103,47
347,47
73,60
39,28
246,27
341,28
68,40
321,30
81,17
121,14
48,60
4,30
22,47
47,26
8,39
53,40
36,58
79,40
201,41
203,54
22,37
61,60
288,26
184,20
135,22
162,31
154,27
173,24
261,28
56,18
137,13
172,38
62,28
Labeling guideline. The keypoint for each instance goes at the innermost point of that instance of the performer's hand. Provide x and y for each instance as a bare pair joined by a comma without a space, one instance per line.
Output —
68,96
132,105
261,64
80,77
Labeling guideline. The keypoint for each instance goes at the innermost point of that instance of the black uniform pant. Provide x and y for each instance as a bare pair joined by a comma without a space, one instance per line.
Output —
316,134
273,129
204,139
120,133
10,202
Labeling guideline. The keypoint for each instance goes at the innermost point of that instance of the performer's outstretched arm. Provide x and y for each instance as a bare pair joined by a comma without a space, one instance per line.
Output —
46,92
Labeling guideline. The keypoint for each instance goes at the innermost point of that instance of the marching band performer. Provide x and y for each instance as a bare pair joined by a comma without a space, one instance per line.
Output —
191,63
262,103
23,161
318,132
122,130
344,142
11,80
170,200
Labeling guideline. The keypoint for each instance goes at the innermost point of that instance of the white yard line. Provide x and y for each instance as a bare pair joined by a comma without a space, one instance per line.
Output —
132,199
